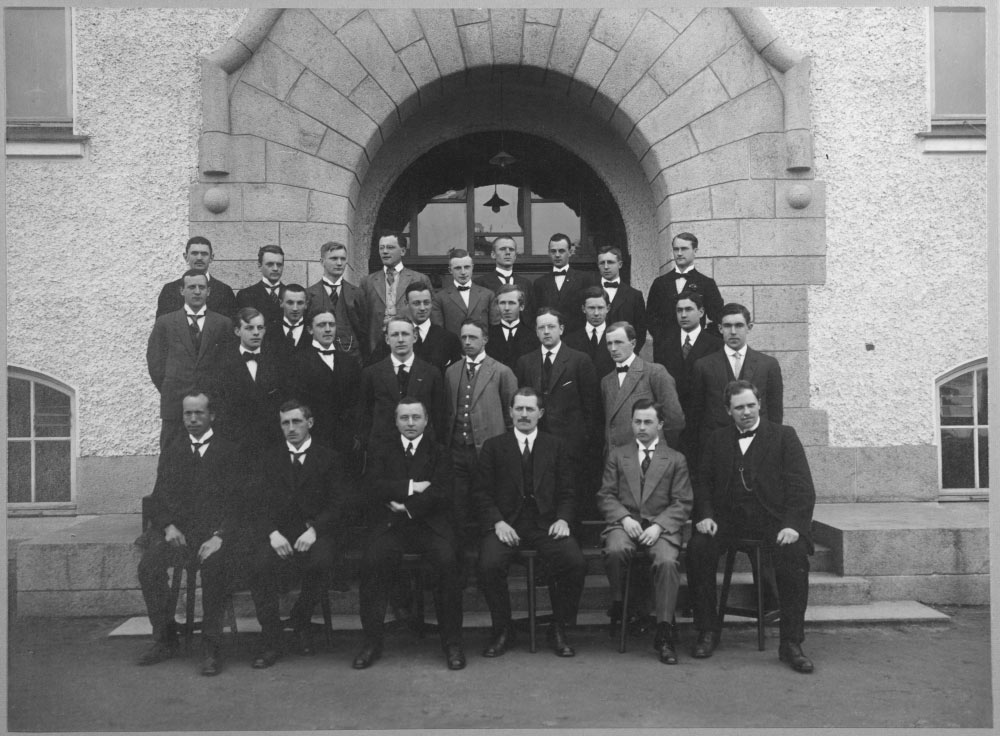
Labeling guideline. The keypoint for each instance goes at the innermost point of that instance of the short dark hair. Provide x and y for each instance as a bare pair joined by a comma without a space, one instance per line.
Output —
311,314
475,323
400,237
276,249
510,289
643,404
528,391
734,308
694,296
622,325
293,404
196,391
246,314
594,292
297,288
542,311
192,272
411,400
331,245
498,238
198,240
688,237
416,286
611,249
738,387
458,253
561,236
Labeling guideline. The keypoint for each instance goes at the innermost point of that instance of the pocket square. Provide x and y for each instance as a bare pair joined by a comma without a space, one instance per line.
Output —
566,384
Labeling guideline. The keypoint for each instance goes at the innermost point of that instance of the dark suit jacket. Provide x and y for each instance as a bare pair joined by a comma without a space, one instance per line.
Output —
567,300
665,498
449,308
643,381
667,352
172,362
248,408
601,358
373,293
221,298
314,494
274,340
388,477
778,473
380,394
441,348
491,280
661,307
498,487
354,305
629,306
572,399
712,373
256,296
332,396
523,342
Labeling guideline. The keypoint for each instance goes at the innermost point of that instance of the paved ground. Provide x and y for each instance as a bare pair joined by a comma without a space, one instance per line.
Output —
65,674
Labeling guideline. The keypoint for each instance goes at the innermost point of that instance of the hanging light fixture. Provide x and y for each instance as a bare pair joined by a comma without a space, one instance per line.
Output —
495,202
502,159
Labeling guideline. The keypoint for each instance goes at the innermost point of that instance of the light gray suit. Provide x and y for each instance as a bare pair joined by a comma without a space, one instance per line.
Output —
449,308
373,288
643,381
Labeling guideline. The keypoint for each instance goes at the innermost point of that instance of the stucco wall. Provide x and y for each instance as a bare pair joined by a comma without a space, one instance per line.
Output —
906,231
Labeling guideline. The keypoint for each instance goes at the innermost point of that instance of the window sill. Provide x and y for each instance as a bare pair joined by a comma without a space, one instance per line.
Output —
954,138
41,509
44,143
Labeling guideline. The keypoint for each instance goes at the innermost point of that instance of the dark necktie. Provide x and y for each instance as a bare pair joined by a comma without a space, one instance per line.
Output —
333,292
686,347
297,457
251,357
527,471
621,368
510,331
470,369
195,446
504,278
195,330
331,351
272,291
546,370
409,451
419,340
645,461
403,378
290,334
748,433
560,272
610,284
593,342
463,288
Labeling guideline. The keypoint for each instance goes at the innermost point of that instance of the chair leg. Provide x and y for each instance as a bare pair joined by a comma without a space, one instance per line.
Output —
192,588
418,595
758,582
727,580
324,603
175,593
623,635
531,605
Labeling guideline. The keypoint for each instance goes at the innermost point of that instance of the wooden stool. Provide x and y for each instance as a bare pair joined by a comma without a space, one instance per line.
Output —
753,549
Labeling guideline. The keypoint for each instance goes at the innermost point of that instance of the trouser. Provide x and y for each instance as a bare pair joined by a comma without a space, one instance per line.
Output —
464,461
619,549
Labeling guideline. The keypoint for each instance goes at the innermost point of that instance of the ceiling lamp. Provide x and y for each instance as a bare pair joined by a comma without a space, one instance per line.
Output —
495,202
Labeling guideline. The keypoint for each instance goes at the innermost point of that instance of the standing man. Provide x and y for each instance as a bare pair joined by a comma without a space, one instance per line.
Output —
634,380
646,498
460,299
513,337
290,334
195,521
433,343
301,495
525,500
385,290
753,481
561,288
265,295
660,307
625,304
198,256
346,300
479,390
184,349
504,254
736,360
409,486
590,338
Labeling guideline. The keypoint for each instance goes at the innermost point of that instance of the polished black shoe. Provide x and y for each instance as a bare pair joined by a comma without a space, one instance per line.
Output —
791,653
367,656
664,644
455,657
557,640
615,614
500,643
705,645
159,651
265,658
211,665
304,643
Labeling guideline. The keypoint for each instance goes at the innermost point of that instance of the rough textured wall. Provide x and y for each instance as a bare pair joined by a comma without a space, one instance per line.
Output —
86,235
906,231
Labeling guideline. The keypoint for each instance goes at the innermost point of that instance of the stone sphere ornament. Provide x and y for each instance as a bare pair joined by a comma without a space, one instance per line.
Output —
216,200
799,196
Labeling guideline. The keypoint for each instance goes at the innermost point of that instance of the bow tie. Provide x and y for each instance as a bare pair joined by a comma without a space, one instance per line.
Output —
610,284
251,357
463,288
331,351
748,433
560,272
622,368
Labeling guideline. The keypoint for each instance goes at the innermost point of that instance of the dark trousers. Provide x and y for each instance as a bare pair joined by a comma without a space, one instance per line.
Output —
157,558
567,570
791,568
170,429
313,567
380,569
464,461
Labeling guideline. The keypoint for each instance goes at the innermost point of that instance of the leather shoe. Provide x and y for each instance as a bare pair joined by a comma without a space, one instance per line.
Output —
211,665
791,653
159,651
500,643
265,658
705,645
455,657
367,656
303,643
557,639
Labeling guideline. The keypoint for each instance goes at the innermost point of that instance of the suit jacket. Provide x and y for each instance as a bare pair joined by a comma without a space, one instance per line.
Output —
355,305
498,487
567,300
256,296
248,408
491,280
332,396
380,394
495,385
373,293
275,340
388,477
629,306
523,342
440,348
667,352
578,339
175,366
572,408
449,308
661,306
665,498
643,381
712,373
221,298
289,498
778,473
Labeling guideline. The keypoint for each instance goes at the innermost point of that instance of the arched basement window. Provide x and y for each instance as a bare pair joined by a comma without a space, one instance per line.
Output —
963,423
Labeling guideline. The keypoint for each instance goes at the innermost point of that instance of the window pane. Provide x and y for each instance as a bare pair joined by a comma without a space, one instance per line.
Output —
959,61
18,407
984,458
957,459
52,471
440,227
956,401
18,472
52,415
983,416
550,218
504,221
37,64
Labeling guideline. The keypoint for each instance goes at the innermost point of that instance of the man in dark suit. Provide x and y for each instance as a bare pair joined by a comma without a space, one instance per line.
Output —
460,299
625,304
265,295
753,481
198,256
409,487
646,499
561,288
346,300
712,374
590,338
514,336
300,498
384,291
185,349
525,499
504,254
195,519
433,343
661,304
289,334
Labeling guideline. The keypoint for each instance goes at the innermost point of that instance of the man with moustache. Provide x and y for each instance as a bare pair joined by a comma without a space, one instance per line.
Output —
504,255
625,304
336,293
198,257
460,299
514,336
265,295
384,290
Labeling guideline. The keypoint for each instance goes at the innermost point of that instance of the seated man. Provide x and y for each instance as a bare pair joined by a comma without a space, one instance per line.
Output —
753,481
298,507
195,522
646,498
409,482
525,498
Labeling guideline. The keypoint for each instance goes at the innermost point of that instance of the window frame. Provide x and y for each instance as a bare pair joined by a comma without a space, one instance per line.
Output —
960,494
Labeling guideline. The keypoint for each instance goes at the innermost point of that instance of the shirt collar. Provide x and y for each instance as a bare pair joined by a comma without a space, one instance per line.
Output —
693,333
204,438
521,437
651,448
505,273
415,441
297,325
627,363
515,323
423,328
560,271
191,313
730,352
319,346
397,268
332,283
305,445
269,285
755,426
458,285
685,272
408,362
244,351
476,360
554,351
600,329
